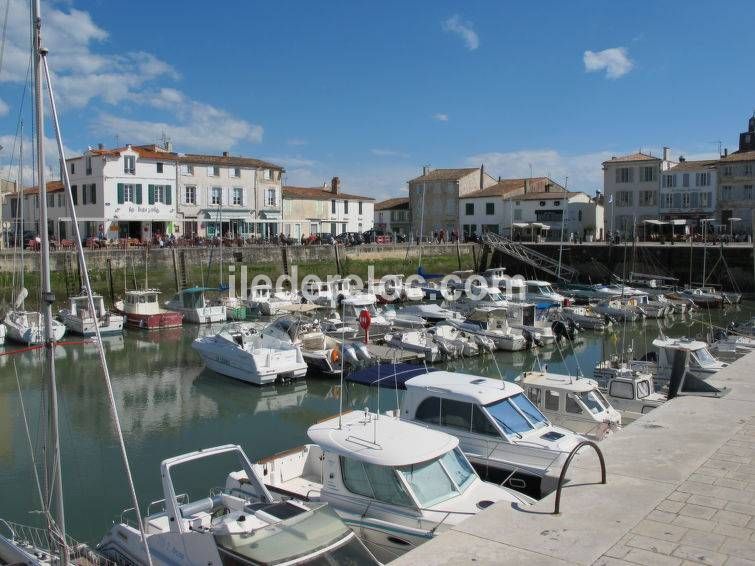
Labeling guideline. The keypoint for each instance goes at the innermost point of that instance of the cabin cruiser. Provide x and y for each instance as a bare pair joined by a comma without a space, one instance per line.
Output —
415,341
629,390
624,310
79,320
701,363
239,351
402,319
321,352
478,296
195,307
582,317
542,291
142,310
513,288
392,288
523,316
573,403
351,306
395,483
493,324
650,308
318,292
240,523
455,343
432,312
268,302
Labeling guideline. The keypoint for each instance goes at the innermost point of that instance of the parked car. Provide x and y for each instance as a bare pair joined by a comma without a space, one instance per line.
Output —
350,238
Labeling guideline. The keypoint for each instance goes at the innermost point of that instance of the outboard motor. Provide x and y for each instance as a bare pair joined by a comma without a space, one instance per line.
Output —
361,351
349,354
560,330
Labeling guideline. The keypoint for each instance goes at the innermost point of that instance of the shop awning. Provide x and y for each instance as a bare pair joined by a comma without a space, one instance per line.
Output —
224,214
520,225
656,222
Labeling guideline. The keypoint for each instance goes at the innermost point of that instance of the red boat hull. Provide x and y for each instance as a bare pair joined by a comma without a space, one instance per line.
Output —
165,319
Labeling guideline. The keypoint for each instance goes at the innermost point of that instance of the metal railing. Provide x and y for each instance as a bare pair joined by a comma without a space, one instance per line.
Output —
521,252
569,458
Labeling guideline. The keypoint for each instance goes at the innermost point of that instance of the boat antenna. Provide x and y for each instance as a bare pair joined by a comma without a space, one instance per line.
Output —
41,61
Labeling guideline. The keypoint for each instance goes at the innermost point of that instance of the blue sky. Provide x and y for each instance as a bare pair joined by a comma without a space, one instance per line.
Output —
371,91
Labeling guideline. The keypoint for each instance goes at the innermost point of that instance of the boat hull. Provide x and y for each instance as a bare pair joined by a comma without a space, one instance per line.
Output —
110,326
165,319
32,335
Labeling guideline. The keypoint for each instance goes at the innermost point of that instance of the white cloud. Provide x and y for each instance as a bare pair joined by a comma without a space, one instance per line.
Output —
291,161
614,61
388,153
4,109
464,30
440,117
11,145
584,170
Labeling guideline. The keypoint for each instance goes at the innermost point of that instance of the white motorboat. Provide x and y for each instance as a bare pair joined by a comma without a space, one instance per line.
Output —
195,307
432,312
478,296
506,438
573,403
650,308
513,288
415,341
523,316
493,324
455,343
700,362
321,352
583,317
79,320
624,310
333,326
392,288
27,327
629,391
241,523
241,352
395,483
351,306
268,302
542,292
318,293
401,319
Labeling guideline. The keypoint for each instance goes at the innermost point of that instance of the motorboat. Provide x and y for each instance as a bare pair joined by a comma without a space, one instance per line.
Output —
351,306
392,288
318,292
631,391
491,323
415,341
574,403
523,317
241,523
624,310
650,308
395,483
700,297
583,317
78,319
432,312
195,306
503,434
401,319
240,351
455,343
28,327
700,362
333,326
235,307
321,352
268,302
542,291
477,296
142,310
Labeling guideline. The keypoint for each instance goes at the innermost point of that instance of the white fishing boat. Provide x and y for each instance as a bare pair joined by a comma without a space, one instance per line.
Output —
493,324
351,306
195,306
320,351
318,293
415,341
79,320
629,391
455,343
542,292
395,483
392,288
506,438
239,351
650,308
573,403
524,317
333,326
240,523
270,302
401,319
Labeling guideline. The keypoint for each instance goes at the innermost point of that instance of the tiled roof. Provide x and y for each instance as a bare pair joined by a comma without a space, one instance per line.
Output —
400,202
694,165
227,160
445,174
560,195
320,193
740,156
52,187
639,156
510,186
143,151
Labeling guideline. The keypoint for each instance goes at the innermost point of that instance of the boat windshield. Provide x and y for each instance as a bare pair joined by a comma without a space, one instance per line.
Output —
370,308
704,357
438,480
516,414
319,532
643,388
591,400
495,296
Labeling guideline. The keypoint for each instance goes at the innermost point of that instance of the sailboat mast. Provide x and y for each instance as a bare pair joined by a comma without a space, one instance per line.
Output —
21,204
55,474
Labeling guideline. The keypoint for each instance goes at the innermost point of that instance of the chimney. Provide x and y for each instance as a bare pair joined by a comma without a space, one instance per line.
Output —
726,152
682,159
666,151
100,146
225,154
425,170
168,146
526,186
499,178
335,185
482,176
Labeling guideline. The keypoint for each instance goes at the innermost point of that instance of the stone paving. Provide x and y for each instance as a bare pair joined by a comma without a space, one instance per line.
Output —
708,519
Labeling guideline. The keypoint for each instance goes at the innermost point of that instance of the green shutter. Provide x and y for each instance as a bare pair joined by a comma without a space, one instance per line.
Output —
120,193
83,194
151,194
138,194
168,199
74,195
93,200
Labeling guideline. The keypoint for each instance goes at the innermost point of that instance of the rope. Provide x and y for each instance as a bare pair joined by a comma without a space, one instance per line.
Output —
28,437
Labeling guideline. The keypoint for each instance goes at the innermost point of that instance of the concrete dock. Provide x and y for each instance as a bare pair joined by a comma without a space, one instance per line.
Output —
681,490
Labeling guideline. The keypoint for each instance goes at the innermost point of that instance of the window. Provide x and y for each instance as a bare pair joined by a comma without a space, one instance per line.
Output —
647,198
93,193
621,390
591,400
469,209
727,170
535,395
236,172
669,181
705,199
75,194
624,175
685,180
345,207
647,174
159,167
332,207
73,167
624,198
88,165
748,192
440,479
190,195
518,214
217,196
666,200
552,400
377,482
187,169
50,200
360,208
129,164
355,477
129,194
532,413
271,199
456,414
489,208
685,200
510,420
159,194
571,405
238,196
60,202
481,423
726,192
747,170
267,174
702,179
579,215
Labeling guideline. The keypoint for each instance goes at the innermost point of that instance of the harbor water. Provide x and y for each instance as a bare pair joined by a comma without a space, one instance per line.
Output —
169,404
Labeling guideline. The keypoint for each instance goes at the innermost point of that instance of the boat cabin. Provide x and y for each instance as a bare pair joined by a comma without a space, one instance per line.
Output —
700,362
142,302
574,403
79,306
260,293
538,291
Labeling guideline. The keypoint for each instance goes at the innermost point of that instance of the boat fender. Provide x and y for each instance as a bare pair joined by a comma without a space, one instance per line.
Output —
335,355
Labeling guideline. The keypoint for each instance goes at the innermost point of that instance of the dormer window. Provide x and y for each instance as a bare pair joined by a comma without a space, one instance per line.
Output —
129,164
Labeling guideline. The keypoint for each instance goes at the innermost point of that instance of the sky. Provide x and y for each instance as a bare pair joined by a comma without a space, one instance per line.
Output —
372,91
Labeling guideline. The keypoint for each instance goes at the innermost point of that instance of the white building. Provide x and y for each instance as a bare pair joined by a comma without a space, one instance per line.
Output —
393,217
688,193
314,210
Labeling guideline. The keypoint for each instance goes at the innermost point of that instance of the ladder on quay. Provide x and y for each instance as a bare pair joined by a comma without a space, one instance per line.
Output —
527,255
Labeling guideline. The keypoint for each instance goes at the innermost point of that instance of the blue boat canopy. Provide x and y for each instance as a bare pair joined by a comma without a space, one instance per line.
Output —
388,375
421,272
